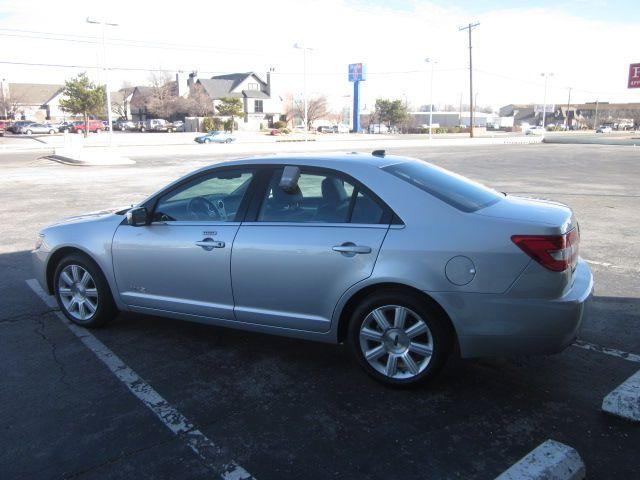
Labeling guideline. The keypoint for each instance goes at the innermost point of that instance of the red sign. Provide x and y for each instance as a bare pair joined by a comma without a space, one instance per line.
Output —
634,75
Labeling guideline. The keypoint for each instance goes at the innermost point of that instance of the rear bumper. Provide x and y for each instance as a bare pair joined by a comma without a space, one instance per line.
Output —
490,325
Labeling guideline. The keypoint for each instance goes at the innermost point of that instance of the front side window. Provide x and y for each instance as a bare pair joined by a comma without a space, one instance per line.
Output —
258,106
456,190
215,198
319,198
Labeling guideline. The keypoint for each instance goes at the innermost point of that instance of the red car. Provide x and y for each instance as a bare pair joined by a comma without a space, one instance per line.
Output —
3,126
94,126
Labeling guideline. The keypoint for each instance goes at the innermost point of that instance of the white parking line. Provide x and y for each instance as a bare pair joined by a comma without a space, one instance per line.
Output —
632,357
624,401
550,460
210,453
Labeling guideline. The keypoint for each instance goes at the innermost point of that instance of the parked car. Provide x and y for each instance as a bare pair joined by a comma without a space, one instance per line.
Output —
157,125
378,128
38,128
215,137
178,126
105,124
65,127
535,130
334,249
123,125
3,126
94,126
341,128
325,129
16,126
604,129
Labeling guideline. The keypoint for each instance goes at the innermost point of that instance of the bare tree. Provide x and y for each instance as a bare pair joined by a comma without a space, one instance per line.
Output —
316,109
120,103
199,102
10,105
161,103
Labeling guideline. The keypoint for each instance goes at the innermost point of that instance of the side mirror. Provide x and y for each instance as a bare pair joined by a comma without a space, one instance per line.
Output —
289,179
137,217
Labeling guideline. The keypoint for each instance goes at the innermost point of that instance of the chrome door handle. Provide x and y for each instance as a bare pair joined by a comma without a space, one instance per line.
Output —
350,249
209,244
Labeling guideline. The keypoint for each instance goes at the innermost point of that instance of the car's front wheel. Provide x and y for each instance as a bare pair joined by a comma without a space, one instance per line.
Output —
398,339
82,292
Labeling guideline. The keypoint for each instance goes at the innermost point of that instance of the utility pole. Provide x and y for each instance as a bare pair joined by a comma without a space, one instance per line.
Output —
432,62
544,103
104,24
595,119
304,49
566,117
470,27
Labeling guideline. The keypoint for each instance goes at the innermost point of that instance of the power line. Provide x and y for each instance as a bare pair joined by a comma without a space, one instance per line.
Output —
173,70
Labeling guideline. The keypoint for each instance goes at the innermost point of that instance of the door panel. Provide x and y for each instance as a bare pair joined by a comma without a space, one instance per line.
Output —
289,275
176,267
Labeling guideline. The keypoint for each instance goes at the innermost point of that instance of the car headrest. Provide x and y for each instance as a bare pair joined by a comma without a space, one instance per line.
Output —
281,197
333,191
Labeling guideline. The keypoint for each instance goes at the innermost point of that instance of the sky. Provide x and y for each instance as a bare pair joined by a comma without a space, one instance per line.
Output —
586,44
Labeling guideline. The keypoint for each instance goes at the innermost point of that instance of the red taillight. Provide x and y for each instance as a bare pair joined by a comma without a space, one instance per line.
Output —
555,252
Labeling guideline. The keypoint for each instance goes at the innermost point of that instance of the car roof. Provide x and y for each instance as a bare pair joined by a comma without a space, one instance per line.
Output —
314,160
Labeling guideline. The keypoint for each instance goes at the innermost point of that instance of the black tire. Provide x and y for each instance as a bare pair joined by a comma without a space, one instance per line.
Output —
439,332
106,308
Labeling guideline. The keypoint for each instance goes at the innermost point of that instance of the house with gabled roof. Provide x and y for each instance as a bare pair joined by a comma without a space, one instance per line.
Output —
261,106
32,101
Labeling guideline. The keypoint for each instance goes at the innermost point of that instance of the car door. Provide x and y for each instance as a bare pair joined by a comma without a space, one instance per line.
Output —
180,261
301,251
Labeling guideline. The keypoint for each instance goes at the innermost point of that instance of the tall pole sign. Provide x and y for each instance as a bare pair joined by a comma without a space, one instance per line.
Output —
634,76
356,75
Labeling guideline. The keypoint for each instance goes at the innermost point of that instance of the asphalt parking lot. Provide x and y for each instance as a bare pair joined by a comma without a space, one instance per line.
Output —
284,408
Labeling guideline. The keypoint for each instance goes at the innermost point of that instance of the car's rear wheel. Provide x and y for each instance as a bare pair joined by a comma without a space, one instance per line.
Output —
398,339
28,132
228,140
51,132
207,140
82,292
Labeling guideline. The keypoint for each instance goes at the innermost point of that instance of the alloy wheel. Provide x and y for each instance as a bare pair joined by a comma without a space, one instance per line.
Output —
78,292
396,342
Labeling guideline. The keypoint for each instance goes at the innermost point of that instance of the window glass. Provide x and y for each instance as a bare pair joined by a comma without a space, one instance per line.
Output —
258,106
456,190
366,210
214,198
318,198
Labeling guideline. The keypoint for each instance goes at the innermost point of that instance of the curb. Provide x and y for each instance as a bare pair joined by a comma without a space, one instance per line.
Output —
65,160
551,460
624,401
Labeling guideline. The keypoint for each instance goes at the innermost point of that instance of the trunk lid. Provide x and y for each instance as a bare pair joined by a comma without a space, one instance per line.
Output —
557,217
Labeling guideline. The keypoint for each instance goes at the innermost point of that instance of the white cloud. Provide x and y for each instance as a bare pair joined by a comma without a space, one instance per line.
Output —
514,45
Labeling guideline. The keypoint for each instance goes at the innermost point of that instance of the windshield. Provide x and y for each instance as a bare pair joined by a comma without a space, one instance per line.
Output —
456,190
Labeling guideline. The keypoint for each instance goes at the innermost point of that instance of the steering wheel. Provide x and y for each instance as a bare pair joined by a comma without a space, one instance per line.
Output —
200,207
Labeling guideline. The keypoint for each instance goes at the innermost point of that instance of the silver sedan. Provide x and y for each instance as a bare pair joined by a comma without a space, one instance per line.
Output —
404,261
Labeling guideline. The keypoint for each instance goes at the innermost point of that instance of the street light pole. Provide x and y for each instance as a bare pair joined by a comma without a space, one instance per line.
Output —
104,24
566,117
470,27
432,62
304,87
544,103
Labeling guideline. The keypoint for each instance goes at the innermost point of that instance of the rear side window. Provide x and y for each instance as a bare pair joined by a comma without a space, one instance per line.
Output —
456,190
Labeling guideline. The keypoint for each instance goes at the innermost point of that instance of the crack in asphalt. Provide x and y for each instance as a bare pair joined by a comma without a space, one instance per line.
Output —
20,316
115,459
39,330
